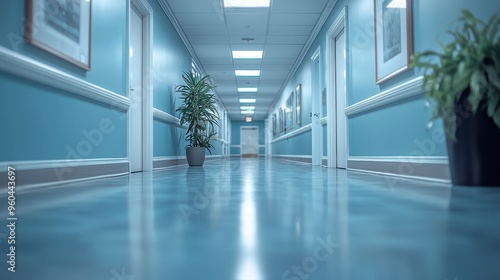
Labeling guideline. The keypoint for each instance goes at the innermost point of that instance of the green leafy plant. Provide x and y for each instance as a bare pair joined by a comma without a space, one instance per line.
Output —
198,110
467,69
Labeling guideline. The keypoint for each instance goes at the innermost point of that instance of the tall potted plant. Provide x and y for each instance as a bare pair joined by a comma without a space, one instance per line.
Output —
463,81
199,113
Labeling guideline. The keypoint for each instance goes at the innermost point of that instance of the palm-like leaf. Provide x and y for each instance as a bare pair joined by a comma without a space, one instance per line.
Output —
469,64
198,110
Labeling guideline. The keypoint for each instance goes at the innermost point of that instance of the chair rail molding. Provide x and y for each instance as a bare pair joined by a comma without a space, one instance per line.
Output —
31,69
400,92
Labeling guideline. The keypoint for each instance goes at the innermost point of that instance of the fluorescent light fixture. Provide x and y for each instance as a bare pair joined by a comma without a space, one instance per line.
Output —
399,4
247,54
250,89
247,73
248,100
246,3
247,112
247,108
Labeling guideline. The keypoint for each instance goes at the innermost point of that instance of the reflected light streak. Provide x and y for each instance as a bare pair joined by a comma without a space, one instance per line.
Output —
249,265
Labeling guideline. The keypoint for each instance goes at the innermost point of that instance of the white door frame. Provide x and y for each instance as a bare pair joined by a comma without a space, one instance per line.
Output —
147,84
336,28
316,110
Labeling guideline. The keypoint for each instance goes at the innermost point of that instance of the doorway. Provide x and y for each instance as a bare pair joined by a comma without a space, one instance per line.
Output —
316,110
135,90
140,115
249,139
337,92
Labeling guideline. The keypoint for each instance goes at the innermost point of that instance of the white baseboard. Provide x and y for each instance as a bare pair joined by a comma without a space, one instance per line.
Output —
426,168
34,174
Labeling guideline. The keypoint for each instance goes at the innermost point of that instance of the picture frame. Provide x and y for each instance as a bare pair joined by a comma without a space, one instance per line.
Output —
393,38
281,120
289,119
61,27
298,104
275,130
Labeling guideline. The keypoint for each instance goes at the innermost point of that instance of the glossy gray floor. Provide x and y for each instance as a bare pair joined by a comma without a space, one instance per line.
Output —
257,220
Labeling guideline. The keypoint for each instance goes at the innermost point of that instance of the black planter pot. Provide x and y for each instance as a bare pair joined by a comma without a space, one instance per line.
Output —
474,157
195,156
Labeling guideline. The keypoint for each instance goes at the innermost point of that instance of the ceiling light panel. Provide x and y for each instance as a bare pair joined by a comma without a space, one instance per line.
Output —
248,89
247,73
245,108
248,100
246,3
247,54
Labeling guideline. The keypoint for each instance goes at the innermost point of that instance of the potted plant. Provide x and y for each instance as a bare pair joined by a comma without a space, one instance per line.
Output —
463,82
199,113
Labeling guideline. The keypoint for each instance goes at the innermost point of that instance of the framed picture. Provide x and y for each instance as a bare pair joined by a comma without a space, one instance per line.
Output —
61,27
275,130
289,111
281,120
298,104
393,38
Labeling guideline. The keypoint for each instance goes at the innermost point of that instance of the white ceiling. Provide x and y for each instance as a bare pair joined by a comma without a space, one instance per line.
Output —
281,31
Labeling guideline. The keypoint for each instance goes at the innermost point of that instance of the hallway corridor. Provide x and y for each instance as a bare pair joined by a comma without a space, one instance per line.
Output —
255,219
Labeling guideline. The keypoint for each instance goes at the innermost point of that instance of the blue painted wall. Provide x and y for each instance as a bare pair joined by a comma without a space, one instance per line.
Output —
44,123
235,135
170,60
47,124
398,129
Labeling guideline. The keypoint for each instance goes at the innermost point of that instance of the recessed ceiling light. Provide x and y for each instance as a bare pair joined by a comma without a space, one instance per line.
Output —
250,89
247,108
247,54
248,73
246,3
399,4
247,112
248,100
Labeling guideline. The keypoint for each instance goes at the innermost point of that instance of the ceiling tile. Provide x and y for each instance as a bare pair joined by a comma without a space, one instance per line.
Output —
288,30
200,19
210,40
282,51
205,30
212,51
195,6
244,19
247,31
287,40
294,19
298,6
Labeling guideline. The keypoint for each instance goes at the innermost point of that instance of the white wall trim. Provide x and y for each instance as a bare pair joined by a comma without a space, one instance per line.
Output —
427,167
403,159
400,92
294,133
28,68
445,182
48,164
168,158
166,117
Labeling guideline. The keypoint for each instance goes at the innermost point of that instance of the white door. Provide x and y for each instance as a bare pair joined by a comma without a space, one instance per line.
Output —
249,139
317,129
341,99
135,94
